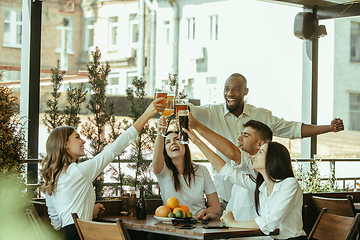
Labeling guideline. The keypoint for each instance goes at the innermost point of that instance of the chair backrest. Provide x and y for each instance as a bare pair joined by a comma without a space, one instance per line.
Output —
36,222
334,227
92,230
338,206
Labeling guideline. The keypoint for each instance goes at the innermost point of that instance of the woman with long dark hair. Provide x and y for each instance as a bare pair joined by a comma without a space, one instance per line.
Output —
277,194
67,184
179,177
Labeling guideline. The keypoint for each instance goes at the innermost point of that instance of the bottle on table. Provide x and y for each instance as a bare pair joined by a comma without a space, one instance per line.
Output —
141,205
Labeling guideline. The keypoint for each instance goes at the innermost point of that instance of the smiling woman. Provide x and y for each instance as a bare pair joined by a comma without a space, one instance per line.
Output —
68,184
177,175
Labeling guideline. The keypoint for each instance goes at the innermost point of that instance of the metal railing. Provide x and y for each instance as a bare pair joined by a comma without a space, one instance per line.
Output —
332,162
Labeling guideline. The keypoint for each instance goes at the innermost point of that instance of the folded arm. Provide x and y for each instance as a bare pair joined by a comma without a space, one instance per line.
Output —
213,211
229,220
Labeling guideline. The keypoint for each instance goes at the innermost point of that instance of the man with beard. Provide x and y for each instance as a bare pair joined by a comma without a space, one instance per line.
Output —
255,134
227,119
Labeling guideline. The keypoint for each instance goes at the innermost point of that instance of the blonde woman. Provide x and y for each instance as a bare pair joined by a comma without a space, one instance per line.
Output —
67,184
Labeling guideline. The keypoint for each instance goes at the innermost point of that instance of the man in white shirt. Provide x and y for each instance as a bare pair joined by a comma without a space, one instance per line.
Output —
227,119
255,134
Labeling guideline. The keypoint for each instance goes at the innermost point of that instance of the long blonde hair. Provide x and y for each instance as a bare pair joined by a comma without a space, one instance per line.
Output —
57,158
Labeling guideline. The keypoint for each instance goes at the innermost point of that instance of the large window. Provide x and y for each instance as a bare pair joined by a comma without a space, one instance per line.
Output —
113,26
13,28
130,76
191,28
134,28
89,33
355,42
214,27
66,29
354,111
113,88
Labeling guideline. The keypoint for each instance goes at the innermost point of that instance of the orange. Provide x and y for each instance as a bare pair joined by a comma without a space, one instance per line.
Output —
162,211
177,209
184,208
172,202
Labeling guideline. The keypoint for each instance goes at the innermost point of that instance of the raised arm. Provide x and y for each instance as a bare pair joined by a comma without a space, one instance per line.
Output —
336,125
158,157
154,107
216,161
222,144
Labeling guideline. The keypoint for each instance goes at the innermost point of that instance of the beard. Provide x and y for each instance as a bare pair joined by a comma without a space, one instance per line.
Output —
233,108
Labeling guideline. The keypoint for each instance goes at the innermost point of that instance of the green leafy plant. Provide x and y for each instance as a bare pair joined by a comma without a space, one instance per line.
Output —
144,144
310,179
12,133
94,128
75,97
53,118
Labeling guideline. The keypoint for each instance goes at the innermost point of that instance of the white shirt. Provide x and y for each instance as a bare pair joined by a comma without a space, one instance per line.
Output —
241,203
218,118
193,195
281,210
75,192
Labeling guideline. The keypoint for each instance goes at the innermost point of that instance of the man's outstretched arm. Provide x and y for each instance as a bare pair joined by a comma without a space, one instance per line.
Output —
308,130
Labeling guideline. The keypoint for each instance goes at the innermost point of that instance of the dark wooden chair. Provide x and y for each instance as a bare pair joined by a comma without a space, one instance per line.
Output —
338,206
91,230
334,227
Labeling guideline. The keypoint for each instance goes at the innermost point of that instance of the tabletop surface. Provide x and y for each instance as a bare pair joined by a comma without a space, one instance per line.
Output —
153,225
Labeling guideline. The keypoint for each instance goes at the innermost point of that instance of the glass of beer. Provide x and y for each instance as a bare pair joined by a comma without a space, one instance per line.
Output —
169,108
183,116
181,104
158,94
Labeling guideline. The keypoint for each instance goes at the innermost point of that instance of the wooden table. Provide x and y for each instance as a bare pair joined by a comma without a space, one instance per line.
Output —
152,225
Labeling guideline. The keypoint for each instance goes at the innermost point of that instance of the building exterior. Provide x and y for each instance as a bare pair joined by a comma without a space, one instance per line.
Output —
62,24
347,71
203,41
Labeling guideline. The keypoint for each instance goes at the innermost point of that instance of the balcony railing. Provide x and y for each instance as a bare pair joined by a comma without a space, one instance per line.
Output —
332,165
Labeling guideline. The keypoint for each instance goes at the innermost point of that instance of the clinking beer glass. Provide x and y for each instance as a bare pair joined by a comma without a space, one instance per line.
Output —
158,94
184,123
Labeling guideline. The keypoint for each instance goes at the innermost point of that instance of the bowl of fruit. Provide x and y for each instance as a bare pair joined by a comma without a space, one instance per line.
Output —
172,210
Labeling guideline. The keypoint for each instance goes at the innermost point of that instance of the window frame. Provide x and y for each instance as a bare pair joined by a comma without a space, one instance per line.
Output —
113,26
68,31
191,27
89,33
134,21
214,27
13,25
354,41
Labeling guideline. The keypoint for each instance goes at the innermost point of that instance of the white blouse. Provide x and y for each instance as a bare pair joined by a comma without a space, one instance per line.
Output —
281,210
193,195
75,192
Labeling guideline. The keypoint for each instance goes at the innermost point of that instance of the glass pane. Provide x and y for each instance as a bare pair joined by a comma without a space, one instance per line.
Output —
113,19
114,81
135,33
19,16
18,34
7,15
113,35
91,37
7,33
